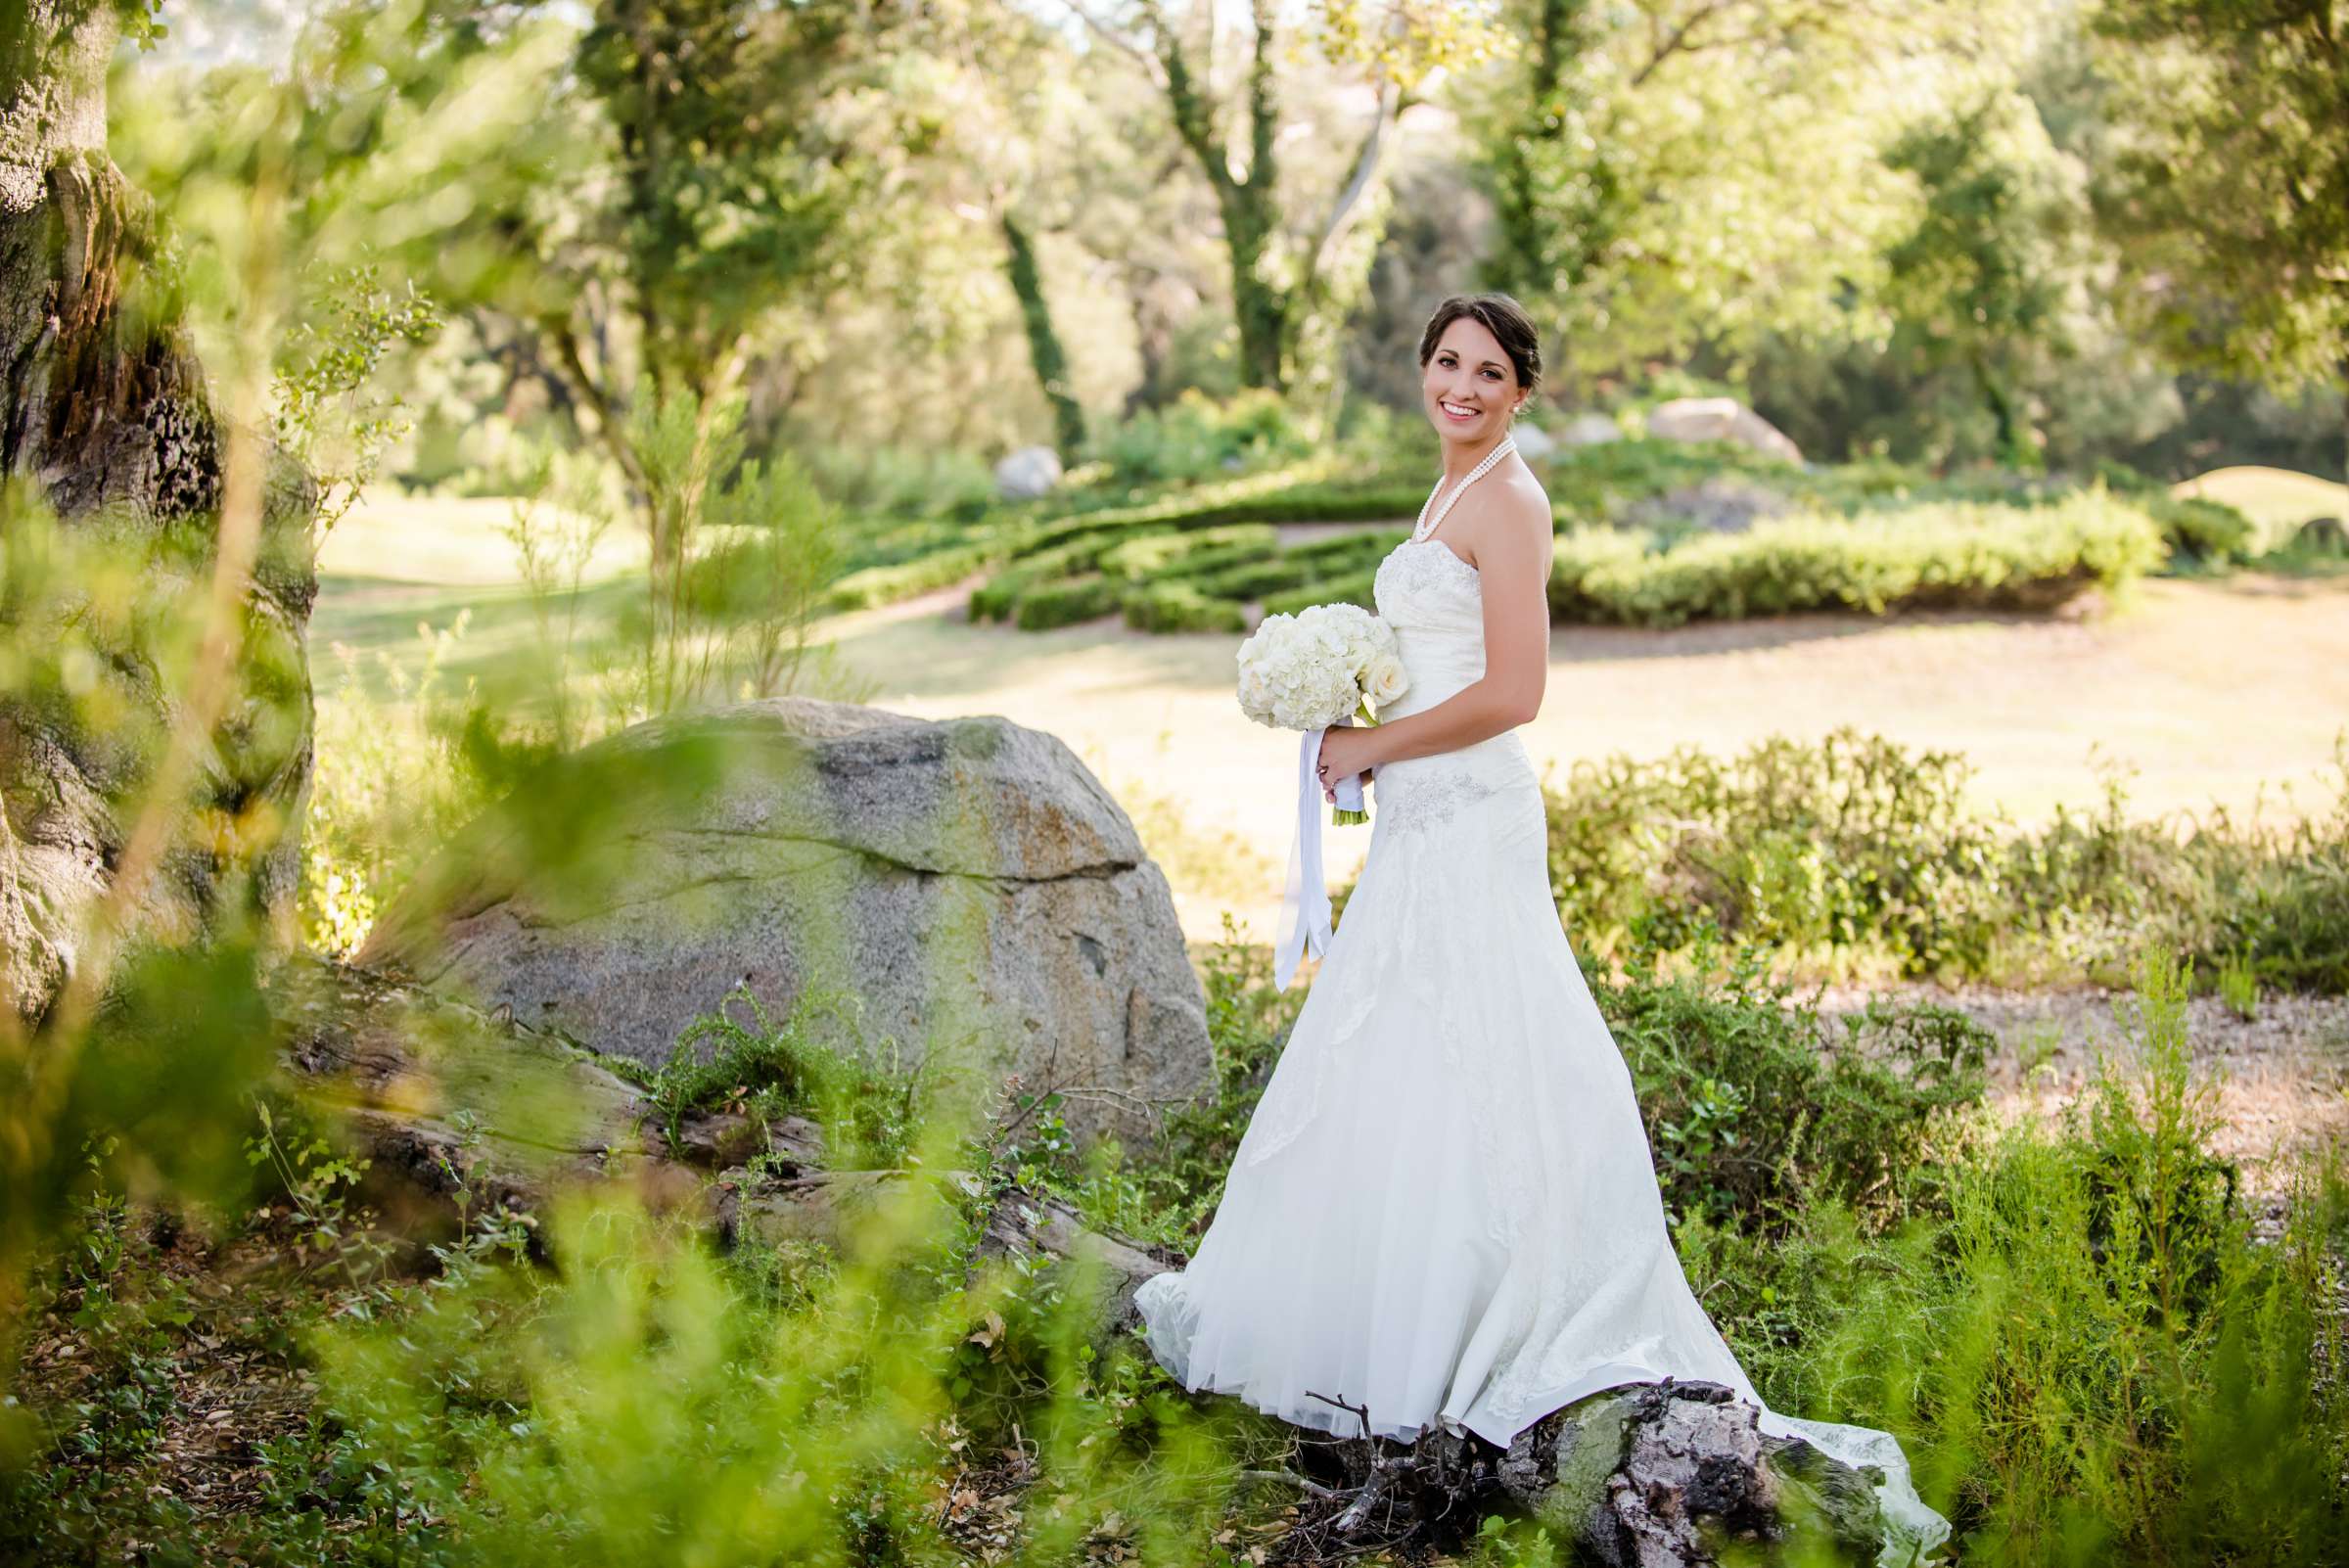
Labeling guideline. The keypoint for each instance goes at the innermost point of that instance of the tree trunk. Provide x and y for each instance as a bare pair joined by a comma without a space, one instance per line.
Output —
2010,446
1260,309
1043,341
1250,206
1263,309
1521,261
104,423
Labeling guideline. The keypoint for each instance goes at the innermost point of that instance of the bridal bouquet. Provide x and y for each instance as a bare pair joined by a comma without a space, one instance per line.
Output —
1324,666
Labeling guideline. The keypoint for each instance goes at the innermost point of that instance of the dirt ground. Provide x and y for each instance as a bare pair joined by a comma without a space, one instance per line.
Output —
2281,1077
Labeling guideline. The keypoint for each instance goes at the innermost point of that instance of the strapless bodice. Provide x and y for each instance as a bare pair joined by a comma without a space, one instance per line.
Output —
1434,603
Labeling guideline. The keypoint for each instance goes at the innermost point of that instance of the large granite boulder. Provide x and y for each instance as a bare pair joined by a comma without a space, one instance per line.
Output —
1720,503
964,887
1590,427
1720,419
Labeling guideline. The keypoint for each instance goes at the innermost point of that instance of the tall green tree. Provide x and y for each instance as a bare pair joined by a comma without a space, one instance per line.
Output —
1003,124
1298,262
183,329
1677,174
724,194
1984,278
2228,191
1044,351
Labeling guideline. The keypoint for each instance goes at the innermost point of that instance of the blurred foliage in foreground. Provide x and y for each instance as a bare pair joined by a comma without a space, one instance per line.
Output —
2089,1351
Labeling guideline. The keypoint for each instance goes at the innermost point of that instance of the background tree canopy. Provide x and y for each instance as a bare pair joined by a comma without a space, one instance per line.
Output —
2031,230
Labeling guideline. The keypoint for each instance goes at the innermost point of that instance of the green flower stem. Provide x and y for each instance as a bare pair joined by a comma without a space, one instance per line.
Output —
1339,817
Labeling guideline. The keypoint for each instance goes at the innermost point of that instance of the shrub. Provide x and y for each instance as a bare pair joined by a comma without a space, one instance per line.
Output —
1253,579
1204,564
1592,485
998,598
1353,587
1179,607
1853,854
1348,549
1960,554
903,481
1065,602
2093,1357
2203,529
763,1068
1153,555
1750,1104
1196,436
887,585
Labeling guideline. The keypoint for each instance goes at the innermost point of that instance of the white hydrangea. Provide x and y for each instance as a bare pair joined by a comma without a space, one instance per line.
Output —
1310,669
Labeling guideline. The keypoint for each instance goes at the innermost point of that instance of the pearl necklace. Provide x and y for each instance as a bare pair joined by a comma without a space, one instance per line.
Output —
1427,524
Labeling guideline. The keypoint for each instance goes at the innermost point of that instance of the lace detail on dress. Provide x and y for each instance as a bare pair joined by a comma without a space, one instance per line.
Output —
1282,1118
1429,801
1412,567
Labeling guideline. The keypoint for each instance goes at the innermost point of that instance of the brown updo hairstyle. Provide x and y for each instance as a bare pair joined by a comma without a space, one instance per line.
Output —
1501,316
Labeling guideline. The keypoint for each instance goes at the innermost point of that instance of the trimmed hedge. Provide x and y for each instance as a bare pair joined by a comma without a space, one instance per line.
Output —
1232,500
998,598
1180,606
1371,544
1204,564
1352,588
887,585
1067,602
1155,555
1989,556
1253,579
2030,549
2199,529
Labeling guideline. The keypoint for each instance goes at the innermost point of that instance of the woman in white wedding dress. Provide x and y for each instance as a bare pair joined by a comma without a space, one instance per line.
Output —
1445,1208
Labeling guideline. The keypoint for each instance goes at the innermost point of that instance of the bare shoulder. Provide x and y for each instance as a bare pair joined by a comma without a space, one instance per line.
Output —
1524,502
1516,517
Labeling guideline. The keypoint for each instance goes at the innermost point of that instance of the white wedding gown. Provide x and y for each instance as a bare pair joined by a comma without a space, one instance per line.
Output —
1445,1208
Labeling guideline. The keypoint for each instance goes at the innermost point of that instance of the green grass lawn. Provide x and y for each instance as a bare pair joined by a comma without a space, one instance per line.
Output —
396,563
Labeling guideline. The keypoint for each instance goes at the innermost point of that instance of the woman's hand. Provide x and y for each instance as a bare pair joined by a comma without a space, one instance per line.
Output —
1344,750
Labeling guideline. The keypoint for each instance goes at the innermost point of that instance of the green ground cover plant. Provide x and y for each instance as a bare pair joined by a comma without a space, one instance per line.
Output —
1867,536
2088,1348
1855,855
2093,1353
1941,556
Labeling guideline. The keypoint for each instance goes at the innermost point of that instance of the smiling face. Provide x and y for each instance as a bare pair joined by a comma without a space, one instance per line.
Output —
1468,385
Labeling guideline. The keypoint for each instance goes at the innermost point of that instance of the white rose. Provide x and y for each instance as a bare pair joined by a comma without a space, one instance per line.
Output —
1384,681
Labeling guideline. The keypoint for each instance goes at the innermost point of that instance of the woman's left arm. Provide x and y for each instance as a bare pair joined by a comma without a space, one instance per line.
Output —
1513,568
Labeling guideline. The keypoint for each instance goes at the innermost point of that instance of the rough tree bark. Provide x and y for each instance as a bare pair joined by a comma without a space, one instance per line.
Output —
105,420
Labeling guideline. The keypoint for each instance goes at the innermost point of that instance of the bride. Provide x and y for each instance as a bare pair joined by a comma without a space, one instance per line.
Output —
1445,1209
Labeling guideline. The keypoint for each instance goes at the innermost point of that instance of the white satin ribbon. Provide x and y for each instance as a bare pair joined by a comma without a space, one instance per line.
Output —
1305,905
